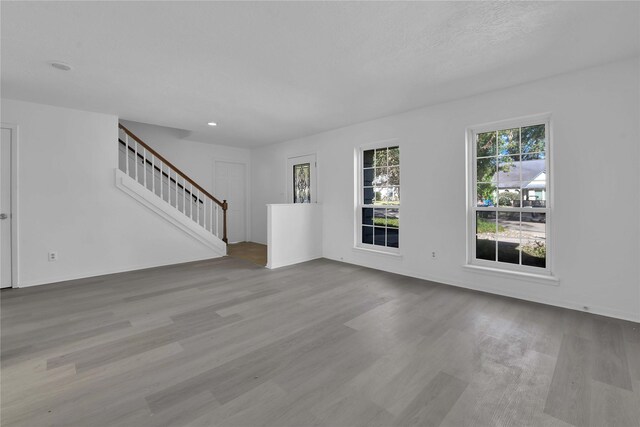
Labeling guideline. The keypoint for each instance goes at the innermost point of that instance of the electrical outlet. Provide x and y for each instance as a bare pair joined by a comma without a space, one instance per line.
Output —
53,256
433,255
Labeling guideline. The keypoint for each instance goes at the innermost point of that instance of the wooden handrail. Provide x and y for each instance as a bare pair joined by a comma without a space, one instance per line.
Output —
222,204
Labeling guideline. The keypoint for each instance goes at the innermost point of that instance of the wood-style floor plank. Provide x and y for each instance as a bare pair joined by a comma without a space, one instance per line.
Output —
226,342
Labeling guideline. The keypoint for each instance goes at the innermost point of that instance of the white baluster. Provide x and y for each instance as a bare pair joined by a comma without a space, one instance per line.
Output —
161,180
135,159
126,153
217,215
211,216
153,174
144,167
184,196
198,208
191,201
205,214
177,180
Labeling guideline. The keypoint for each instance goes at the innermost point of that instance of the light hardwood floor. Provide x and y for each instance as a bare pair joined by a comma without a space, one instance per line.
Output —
228,343
250,251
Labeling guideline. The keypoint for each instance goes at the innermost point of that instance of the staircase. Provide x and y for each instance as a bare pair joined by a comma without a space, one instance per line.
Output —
159,185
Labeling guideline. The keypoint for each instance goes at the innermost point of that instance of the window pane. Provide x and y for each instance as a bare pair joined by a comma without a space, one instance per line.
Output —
380,195
381,157
367,216
509,237
367,235
394,156
534,242
381,177
509,198
391,195
486,194
392,237
379,236
301,183
533,156
393,218
534,194
367,158
486,169
486,144
394,175
486,235
533,139
368,196
367,177
380,217
509,141
534,170
509,172
534,182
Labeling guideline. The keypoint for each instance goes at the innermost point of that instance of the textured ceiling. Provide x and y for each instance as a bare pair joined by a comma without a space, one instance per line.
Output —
273,71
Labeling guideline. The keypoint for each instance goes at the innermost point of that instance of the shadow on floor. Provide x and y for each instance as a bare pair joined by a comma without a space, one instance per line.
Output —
250,251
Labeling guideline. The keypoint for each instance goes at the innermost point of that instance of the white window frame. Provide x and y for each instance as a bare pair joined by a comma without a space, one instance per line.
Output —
472,188
360,197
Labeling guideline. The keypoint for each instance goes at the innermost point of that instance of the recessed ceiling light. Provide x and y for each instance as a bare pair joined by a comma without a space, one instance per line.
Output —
60,65
212,124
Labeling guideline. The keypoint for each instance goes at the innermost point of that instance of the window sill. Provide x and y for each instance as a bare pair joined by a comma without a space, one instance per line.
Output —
537,278
377,252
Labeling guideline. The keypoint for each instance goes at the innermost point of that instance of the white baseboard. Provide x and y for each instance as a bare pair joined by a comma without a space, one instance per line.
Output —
272,266
123,269
572,305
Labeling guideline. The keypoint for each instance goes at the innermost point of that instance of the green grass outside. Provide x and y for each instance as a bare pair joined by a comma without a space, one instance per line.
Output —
388,222
484,226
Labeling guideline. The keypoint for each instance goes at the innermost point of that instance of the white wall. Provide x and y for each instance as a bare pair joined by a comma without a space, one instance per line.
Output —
68,201
196,159
294,233
596,231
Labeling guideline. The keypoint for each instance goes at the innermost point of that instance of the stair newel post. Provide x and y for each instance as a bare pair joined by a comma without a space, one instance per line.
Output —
224,221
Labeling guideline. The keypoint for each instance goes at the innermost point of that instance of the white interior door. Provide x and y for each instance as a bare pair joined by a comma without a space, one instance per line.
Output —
301,179
5,209
230,185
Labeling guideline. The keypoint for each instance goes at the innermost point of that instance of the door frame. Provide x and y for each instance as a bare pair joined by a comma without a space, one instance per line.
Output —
13,127
247,196
303,158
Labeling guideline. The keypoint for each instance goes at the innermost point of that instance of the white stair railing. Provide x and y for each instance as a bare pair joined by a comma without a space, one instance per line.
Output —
158,175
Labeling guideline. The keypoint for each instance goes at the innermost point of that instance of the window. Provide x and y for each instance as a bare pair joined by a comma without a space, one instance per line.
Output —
301,186
509,203
378,210
301,179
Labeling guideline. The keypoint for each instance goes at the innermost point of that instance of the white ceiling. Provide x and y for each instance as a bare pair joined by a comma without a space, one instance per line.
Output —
273,71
